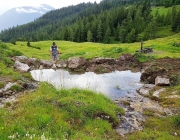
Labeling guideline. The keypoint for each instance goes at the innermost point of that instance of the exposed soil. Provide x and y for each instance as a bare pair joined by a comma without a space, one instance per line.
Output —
171,64
166,67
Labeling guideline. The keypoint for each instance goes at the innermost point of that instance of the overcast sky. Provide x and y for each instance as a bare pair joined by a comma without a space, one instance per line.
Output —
9,4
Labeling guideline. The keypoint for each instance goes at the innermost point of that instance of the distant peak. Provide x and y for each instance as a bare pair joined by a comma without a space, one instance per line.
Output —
34,9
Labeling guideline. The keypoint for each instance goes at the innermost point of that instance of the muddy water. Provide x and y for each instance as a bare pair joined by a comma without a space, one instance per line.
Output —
114,85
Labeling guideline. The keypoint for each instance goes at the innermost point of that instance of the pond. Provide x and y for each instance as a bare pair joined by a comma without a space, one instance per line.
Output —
115,84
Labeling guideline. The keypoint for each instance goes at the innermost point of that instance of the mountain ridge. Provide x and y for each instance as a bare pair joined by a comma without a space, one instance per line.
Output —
22,15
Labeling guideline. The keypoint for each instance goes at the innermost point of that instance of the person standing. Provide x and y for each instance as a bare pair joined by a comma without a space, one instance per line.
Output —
54,52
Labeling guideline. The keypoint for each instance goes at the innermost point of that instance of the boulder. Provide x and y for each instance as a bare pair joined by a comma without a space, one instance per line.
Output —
20,58
103,60
76,63
21,66
145,89
46,63
31,61
157,92
149,75
61,64
160,81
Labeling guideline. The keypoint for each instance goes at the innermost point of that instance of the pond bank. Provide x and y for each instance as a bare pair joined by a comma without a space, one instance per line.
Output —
136,106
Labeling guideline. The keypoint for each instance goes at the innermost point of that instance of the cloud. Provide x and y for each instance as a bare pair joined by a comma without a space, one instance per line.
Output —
22,10
47,9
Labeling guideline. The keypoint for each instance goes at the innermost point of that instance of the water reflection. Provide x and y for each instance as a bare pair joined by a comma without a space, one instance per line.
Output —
113,85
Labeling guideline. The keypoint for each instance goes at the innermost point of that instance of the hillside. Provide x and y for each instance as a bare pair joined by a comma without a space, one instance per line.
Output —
108,21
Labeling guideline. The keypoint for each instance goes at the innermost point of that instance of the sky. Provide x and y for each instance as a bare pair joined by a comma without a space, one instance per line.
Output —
9,4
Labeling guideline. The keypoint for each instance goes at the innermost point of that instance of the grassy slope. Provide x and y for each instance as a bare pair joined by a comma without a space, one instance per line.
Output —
162,47
65,114
163,10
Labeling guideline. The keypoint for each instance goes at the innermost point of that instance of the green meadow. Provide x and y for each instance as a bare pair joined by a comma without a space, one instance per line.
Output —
162,47
162,10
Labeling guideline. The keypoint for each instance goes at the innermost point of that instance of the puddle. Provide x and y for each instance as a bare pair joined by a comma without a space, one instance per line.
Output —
114,85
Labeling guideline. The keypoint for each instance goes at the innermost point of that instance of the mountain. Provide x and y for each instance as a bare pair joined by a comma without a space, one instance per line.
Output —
109,21
22,15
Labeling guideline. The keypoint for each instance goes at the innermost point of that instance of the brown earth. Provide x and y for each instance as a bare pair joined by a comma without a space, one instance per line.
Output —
166,67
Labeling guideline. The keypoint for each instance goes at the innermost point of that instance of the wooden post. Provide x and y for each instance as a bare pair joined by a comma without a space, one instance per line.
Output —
141,45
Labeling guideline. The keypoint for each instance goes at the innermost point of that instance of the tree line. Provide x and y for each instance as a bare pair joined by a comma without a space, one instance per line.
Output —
124,21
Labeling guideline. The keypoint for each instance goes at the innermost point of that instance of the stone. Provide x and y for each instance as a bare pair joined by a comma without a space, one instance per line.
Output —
31,61
173,96
75,63
157,92
21,67
21,58
103,60
160,81
46,63
150,73
145,89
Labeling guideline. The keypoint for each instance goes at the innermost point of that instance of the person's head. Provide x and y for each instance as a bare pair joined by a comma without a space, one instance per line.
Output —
53,43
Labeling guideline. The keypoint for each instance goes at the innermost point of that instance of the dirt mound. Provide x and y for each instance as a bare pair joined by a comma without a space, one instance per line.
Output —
167,67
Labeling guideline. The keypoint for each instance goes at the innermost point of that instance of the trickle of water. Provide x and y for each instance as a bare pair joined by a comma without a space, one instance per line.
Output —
113,85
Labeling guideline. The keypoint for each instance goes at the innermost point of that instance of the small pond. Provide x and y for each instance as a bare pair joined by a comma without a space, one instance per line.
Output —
115,84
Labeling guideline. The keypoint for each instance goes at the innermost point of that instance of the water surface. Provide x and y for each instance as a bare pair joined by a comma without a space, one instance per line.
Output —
113,85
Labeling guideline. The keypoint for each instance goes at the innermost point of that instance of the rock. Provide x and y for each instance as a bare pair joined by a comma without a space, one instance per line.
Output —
31,61
103,60
61,64
21,67
160,81
20,58
41,67
54,66
46,63
145,89
157,92
29,86
173,96
125,57
150,73
75,63
8,86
